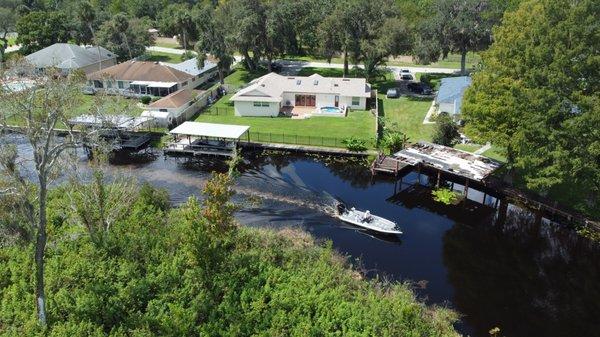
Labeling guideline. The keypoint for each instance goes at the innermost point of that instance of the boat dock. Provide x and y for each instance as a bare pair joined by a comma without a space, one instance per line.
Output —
197,139
301,148
438,157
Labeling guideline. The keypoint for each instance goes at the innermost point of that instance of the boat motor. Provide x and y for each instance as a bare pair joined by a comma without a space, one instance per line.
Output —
341,208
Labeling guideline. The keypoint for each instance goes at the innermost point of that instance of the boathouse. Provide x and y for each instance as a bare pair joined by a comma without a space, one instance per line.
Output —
196,138
125,132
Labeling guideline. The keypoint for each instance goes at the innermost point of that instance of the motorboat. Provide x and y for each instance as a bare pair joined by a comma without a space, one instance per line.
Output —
366,220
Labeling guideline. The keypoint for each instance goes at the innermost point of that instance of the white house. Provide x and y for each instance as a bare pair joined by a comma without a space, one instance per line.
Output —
139,78
450,95
174,108
68,57
267,95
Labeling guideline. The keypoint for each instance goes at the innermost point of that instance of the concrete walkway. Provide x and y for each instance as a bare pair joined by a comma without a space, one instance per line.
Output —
430,112
486,147
167,50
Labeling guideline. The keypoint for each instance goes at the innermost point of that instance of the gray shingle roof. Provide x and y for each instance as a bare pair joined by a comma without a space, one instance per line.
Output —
68,56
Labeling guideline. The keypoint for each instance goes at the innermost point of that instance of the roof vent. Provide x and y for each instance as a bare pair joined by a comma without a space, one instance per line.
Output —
316,82
291,78
346,80
336,85
298,82
155,62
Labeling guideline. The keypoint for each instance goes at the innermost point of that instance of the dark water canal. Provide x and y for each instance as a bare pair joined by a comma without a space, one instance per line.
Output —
524,279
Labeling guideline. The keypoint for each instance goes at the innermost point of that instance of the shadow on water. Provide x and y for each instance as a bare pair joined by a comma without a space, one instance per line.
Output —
527,280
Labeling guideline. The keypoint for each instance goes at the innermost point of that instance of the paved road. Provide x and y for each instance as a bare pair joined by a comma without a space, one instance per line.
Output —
297,65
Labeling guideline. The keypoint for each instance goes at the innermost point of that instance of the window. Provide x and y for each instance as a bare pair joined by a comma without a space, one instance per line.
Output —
109,84
261,104
120,84
355,100
265,104
163,110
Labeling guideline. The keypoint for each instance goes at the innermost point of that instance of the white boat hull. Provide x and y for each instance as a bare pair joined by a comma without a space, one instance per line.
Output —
376,223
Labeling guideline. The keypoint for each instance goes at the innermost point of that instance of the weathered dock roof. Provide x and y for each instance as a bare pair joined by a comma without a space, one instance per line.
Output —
449,159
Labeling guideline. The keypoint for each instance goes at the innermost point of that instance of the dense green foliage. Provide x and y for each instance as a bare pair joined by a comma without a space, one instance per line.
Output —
538,95
38,30
188,271
446,131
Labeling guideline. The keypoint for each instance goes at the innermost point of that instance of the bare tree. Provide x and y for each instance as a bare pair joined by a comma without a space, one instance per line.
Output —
38,112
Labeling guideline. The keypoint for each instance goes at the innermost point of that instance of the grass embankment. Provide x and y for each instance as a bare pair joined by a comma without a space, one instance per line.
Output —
317,130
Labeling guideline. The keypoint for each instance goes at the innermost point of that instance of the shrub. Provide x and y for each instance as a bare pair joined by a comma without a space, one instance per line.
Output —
145,99
187,55
446,132
354,144
446,196
393,141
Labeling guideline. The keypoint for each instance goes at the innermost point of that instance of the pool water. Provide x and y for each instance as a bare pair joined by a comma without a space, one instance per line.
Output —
330,110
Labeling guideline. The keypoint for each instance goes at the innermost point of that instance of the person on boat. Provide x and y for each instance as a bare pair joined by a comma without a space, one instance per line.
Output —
367,216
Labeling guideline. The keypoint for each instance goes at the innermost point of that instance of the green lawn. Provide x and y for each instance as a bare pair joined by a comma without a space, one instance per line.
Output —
467,147
110,105
321,130
404,114
167,44
156,56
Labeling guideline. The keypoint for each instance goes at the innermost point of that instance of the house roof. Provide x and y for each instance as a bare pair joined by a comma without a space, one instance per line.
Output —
210,130
173,100
191,66
68,56
271,87
452,88
141,71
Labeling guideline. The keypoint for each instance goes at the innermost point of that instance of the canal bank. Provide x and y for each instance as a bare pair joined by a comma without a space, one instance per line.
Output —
525,280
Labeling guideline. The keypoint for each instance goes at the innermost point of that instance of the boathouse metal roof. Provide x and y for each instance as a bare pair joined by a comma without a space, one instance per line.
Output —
449,159
210,130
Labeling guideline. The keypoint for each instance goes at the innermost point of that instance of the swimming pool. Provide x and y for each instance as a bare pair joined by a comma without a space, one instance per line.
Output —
329,111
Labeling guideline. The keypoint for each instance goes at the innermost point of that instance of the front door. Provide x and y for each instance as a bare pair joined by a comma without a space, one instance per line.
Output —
337,101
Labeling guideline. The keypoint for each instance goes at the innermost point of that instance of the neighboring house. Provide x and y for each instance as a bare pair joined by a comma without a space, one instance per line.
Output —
267,95
450,95
190,66
68,57
140,78
175,108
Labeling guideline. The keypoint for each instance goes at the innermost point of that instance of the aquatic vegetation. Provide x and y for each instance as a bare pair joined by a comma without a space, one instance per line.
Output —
446,196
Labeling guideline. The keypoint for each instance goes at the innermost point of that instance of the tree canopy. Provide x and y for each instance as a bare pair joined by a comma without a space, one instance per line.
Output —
538,94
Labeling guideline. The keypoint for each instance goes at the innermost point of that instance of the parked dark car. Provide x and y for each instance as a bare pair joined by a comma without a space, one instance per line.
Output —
419,88
406,77
392,93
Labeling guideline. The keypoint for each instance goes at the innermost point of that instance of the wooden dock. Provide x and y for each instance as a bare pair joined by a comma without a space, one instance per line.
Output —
302,148
389,164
